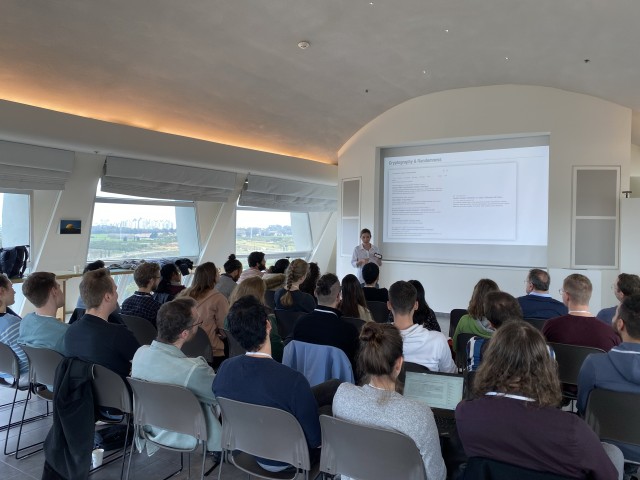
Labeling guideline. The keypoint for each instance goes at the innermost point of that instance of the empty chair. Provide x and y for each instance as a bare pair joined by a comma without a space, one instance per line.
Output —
110,390
614,416
168,407
570,359
379,311
536,322
286,321
373,453
235,348
42,373
318,363
141,328
199,346
248,432
454,317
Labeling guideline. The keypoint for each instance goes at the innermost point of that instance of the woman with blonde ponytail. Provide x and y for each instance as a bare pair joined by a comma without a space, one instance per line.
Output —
290,297
378,403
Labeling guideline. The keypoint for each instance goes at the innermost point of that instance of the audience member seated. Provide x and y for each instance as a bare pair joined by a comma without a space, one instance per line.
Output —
475,322
257,264
256,287
92,338
424,347
370,275
275,277
537,303
141,303
353,302
618,370
89,267
309,283
212,307
626,284
290,297
424,315
579,326
163,361
227,282
499,308
378,403
42,329
324,326
514,417
10,326
170,283
256,378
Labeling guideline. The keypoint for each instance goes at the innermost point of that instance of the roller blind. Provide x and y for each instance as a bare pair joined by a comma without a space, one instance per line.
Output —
29,167
288,195
144,178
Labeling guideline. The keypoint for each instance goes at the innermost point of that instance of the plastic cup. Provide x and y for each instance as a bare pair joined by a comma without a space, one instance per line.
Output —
96,457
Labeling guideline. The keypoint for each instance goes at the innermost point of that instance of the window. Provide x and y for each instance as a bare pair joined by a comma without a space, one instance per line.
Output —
126,227
278,234
14,219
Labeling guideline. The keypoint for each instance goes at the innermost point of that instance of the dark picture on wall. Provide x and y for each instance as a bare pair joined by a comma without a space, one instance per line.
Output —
70,227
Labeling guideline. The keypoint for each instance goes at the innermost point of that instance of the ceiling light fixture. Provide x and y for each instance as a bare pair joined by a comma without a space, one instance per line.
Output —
303,44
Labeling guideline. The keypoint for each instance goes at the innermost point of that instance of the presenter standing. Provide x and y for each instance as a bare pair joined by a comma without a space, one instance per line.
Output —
365,252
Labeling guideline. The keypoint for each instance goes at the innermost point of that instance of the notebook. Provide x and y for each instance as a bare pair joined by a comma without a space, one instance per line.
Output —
441,391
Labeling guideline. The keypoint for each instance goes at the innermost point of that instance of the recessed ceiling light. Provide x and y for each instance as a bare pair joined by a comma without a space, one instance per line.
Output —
371,3
506,58
303,44
446,30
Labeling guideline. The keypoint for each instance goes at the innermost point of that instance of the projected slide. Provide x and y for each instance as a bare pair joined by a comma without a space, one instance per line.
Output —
453,202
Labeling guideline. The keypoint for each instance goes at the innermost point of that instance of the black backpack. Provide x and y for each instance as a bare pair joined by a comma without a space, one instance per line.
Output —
13,261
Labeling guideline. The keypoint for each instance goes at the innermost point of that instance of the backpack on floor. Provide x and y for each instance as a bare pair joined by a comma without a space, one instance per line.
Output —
13,261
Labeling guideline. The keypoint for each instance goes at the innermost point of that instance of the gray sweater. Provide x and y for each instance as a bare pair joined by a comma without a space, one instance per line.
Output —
380,408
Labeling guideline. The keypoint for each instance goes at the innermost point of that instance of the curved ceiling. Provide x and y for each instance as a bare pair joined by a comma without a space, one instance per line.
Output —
232,72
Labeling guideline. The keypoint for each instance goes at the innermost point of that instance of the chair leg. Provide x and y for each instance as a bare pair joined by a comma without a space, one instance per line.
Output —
133,447
223,458
18,449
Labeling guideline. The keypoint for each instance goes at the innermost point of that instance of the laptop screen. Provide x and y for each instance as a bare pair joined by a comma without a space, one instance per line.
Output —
438,390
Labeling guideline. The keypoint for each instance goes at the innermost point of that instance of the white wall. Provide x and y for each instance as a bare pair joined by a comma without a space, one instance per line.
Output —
583,131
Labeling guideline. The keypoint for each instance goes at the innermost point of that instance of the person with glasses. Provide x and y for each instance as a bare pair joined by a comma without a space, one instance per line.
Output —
626,284
163,361
141,303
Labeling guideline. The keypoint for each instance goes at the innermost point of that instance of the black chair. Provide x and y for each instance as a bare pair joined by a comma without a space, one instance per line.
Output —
570,359
467,391
199,346
356,322
536,322
374,453
141,328
614,416
286,321
411,367
461,349
235,348
269,300
479,468
76,315
379,311
454,317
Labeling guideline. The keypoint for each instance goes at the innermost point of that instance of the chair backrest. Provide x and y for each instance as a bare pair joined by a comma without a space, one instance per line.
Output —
356,322
286,321
480,468
269,299
415,367
379,311
373,453
198,346
251,428
536,322
235,348
454,317
613,415
168,407
570,359
77,314
141,328
42,364
318,363
461,349
110,390
8,364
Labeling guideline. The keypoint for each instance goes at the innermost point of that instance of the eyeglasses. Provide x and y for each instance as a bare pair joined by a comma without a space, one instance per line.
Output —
561,291
195,325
